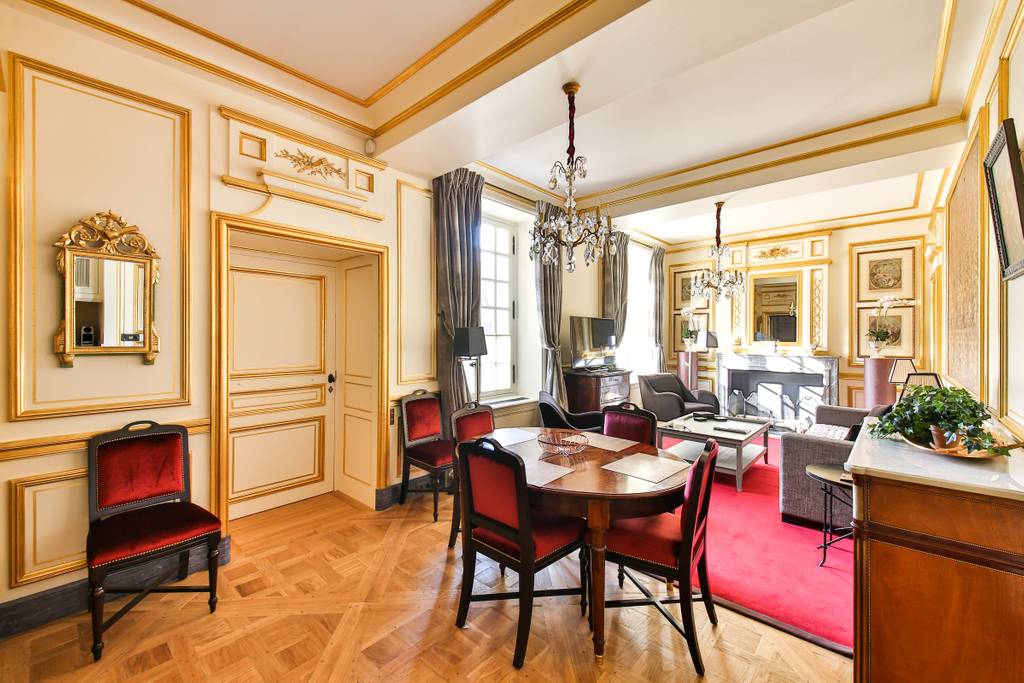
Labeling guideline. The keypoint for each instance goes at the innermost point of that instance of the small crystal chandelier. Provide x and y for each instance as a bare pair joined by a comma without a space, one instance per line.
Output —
571,229
718,281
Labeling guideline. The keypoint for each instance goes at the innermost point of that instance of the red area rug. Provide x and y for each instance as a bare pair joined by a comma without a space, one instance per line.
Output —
770,568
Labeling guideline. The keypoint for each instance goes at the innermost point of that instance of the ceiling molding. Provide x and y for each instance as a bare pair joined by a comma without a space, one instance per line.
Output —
914,205
407,73
521,181
201,64
945,37
991,29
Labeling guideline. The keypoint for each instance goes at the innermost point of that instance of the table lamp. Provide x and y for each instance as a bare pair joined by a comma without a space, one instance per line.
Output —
470,344
924,379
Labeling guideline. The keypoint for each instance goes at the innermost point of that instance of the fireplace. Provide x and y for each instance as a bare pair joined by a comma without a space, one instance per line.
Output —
777,387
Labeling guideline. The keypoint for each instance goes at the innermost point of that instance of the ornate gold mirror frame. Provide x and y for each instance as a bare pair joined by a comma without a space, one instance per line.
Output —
107,237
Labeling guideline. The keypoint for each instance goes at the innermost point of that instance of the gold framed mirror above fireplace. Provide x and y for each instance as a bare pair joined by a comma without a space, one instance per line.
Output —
776,308
109,272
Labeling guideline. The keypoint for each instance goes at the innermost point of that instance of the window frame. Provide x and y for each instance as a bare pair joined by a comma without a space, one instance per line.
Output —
513,335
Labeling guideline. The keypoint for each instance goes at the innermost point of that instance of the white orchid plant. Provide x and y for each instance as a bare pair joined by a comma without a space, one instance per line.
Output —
876,332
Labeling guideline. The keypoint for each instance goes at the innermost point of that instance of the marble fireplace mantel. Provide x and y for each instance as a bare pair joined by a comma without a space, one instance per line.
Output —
825,366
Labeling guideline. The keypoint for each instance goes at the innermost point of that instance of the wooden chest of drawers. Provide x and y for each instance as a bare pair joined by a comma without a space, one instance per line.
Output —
592,391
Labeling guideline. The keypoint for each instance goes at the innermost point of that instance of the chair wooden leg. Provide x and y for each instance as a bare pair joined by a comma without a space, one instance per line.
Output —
584,580
183,565
456,518
96,599
622,576
435,480
526,577
404,490
468,575
501,568
212,557
690,628
705,589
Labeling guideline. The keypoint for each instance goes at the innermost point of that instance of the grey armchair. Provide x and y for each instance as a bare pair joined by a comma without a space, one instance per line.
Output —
800,497
666,396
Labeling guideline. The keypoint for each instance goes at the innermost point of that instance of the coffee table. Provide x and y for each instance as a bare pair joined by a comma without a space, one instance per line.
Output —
737,451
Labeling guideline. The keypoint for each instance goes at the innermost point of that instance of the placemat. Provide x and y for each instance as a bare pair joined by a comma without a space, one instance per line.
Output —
647,467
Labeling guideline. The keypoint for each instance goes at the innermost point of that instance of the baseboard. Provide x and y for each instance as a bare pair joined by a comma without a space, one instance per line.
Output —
43,607
387,497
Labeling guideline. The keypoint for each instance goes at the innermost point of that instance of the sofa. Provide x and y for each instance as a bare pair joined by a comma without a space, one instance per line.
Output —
828,441
666,396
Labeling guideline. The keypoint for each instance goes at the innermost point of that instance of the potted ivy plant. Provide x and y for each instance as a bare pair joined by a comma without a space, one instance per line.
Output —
944,417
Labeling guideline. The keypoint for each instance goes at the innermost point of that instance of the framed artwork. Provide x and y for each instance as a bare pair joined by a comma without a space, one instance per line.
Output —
1004,177
682,294
889,272
701,321
901,321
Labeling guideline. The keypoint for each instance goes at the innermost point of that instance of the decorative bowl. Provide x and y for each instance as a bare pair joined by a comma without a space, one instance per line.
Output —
958,451
562,441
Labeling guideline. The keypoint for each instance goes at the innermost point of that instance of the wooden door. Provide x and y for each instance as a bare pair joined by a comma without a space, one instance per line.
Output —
282,326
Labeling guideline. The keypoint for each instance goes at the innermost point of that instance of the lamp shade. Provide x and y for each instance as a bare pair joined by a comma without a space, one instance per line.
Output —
470,342
900,369
706,340
926,379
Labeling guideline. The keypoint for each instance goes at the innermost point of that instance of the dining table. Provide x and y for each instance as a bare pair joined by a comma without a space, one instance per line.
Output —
586,487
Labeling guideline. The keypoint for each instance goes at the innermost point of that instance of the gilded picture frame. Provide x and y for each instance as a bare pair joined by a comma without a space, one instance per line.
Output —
887,272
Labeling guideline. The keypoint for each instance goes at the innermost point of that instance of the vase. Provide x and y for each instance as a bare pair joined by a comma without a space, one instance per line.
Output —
876,348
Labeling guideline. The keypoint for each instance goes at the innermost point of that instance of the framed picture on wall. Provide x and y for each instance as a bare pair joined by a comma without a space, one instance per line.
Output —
699,321
682,292
901,321
888,272
1004,177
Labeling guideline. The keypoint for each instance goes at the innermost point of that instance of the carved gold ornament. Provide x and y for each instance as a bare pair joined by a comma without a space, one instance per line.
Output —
304,162
109,272
775,253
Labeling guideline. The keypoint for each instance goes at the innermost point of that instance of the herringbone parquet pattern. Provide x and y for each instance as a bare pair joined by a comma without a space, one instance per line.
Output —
324,590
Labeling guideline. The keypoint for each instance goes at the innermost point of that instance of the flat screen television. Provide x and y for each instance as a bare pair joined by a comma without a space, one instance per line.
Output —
593,342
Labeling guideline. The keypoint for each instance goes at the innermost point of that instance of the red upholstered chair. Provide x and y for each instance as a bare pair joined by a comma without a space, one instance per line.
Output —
140,510
673,546
469,422
423,443
498,523
626,421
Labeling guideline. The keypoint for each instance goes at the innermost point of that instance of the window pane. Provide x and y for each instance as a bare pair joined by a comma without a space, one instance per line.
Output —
487,236
501,295
501,268
486,264
487,293
503,242
502,323
487,320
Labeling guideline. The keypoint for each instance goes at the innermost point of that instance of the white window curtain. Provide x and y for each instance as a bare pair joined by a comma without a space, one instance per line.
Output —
637,349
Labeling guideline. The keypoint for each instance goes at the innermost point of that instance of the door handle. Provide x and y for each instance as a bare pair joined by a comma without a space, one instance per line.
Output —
330,380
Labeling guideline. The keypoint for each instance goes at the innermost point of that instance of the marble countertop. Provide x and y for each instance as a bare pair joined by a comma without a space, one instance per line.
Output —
1002,477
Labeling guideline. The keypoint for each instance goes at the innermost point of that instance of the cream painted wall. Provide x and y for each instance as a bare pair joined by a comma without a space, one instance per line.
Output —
44,37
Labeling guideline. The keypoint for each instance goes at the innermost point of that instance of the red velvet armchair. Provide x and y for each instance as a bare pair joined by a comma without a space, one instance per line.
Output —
499,524
140,510
626,421
469,422
423,443
671,545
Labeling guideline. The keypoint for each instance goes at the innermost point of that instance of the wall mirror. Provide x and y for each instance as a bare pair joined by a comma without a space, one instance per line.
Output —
109,272
776,311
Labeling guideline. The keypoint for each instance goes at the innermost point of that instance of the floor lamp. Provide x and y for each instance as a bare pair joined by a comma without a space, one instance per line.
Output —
470,345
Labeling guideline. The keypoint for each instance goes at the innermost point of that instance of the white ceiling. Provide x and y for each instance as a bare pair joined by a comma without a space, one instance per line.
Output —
353,45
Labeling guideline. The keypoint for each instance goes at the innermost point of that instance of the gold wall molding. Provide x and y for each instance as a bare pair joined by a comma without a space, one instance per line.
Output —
285,193
363,180
19,64
276,487
519,181
776,252
818,322
991,29
221,227
320,400
66,443
299,137
308,164
431,376
18,488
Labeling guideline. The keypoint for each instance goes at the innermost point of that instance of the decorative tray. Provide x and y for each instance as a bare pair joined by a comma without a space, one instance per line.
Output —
958,451
562,441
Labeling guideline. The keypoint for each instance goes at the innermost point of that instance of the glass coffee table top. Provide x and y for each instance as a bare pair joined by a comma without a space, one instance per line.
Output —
732,429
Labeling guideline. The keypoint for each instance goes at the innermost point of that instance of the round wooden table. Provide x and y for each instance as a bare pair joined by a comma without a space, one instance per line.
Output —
598,494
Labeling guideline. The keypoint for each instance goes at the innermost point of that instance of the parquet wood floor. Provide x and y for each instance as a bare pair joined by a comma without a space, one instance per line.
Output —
323,590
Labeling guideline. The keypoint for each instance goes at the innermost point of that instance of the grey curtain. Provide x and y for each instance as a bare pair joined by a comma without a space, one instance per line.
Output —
615,272
458,197
658,311
549,314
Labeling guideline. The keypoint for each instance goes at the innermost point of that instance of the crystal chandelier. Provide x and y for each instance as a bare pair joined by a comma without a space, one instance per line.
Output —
571,229
718,281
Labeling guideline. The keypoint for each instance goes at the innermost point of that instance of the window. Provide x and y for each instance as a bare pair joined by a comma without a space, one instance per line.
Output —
636,350
498,307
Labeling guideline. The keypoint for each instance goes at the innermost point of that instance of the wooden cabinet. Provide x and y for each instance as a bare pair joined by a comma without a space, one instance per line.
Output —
594,390
939,587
